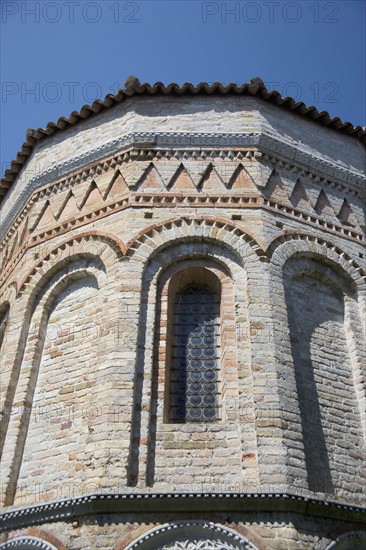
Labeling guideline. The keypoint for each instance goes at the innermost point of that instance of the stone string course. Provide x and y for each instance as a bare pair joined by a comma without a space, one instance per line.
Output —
88,250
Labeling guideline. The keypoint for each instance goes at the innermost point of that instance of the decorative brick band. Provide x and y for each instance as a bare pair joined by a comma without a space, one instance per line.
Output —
355,539
175,141
215,537
26,542
217,228
180,502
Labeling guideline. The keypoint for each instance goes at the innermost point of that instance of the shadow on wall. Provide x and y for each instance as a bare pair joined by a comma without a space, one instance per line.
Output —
316,317
4,315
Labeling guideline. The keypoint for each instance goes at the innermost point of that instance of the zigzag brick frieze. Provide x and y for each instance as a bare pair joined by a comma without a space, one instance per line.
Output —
94,202
313,168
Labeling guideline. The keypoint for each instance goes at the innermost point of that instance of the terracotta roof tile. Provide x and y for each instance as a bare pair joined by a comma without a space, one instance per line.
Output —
133,87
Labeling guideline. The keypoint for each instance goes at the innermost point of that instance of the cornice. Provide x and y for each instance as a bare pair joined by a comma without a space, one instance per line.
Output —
272,146
177,144
133,87
145,503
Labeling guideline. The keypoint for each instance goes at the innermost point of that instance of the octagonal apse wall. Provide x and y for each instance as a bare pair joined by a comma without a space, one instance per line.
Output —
182,330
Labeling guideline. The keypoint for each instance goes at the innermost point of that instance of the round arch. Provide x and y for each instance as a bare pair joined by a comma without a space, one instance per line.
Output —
283,247
292,258
37,307
92,244
356,540
307,263
27,543
208,228
296,246
185,535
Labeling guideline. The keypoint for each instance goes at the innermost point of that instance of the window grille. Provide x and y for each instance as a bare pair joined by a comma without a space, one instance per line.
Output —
195,356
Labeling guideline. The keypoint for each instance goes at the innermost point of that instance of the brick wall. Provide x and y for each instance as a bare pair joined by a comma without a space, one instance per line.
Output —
86,266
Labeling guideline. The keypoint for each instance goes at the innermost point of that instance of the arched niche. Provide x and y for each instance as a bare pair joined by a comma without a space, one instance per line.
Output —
64,354
324,332
60,362
149,446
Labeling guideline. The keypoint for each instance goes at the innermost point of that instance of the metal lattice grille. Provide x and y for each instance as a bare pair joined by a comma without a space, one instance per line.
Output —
194,368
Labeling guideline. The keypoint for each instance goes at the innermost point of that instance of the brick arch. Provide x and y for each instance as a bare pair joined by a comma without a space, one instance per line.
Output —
308,263
79,244
26,543
285,247
221,281
34,538
76,270
288,244
28,301
218,536
158,236
171,280
217,518
65,267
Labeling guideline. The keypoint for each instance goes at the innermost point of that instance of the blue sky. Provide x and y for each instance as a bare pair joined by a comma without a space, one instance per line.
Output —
58,55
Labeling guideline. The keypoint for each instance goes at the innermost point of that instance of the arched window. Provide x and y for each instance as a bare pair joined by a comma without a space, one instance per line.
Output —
193,347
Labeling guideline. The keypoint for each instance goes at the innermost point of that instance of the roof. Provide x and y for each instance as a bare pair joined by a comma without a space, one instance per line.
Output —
255,87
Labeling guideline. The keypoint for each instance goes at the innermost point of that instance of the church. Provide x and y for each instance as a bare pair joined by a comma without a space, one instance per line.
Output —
183,325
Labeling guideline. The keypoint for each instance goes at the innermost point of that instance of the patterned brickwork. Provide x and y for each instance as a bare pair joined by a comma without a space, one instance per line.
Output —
96,262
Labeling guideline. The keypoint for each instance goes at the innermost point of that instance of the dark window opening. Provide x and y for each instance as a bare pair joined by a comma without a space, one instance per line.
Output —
194,393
